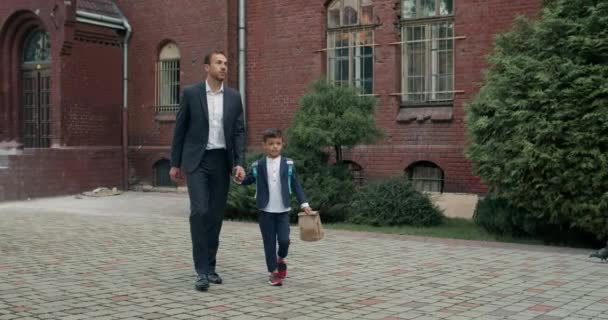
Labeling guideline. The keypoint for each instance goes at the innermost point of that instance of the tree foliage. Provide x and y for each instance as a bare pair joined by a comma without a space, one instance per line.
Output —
539,125
334,116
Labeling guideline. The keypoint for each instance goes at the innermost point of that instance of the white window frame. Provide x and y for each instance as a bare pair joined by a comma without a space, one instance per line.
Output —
428,88
358,36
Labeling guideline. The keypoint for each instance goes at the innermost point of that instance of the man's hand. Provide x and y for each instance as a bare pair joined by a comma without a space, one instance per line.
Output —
307,210
176,174
239,174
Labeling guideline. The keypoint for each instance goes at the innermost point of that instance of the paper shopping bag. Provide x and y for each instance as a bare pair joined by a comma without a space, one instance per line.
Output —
310,226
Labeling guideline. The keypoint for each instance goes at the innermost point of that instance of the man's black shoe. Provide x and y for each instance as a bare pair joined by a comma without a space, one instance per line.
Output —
214,278
202,283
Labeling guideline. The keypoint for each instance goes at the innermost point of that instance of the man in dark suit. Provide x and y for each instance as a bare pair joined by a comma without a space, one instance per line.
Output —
208,143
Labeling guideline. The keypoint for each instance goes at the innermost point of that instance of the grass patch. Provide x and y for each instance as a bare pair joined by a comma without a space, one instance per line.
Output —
453,228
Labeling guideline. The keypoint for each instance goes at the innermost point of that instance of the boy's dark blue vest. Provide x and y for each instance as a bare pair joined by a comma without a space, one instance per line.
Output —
289,182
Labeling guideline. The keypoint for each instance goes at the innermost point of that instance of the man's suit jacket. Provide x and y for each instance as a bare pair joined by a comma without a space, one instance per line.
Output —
261,179
192,128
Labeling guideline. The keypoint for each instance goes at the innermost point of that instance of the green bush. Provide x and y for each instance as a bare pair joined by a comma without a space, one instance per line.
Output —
393,202
334,116
498,216
537,128
329,116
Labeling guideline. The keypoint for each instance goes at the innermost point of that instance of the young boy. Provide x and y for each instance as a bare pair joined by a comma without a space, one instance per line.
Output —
275,178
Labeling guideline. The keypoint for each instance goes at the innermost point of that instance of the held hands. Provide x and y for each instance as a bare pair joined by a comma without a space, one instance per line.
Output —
238,174
176,174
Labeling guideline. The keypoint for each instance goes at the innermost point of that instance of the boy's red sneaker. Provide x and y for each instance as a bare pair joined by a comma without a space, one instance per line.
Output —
275,280
282,267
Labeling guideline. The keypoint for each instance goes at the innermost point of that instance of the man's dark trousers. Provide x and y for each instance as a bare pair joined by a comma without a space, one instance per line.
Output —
208,189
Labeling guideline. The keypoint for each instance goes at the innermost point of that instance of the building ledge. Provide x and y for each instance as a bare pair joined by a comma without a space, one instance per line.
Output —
165,117
421,114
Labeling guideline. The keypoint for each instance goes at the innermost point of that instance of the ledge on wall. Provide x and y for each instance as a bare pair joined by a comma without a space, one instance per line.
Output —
420,114
165,117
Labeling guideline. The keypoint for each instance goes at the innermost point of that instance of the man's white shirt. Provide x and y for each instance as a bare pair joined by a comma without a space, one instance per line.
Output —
215,105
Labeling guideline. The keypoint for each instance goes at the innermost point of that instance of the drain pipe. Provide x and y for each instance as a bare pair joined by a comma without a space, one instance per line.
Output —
119,24
242,79
125,114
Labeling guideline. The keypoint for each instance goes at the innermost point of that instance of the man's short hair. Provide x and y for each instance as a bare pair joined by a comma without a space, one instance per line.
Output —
210,54
272,133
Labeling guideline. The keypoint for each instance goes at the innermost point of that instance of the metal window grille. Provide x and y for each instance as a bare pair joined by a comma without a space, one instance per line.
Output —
167,85
425,176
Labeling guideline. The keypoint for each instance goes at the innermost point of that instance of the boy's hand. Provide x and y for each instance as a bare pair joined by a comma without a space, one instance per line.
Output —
307,210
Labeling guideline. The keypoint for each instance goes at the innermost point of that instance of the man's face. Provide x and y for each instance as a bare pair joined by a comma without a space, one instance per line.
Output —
217,67
273,147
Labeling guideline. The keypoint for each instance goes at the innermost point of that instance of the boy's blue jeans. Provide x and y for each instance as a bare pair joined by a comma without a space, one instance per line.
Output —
274,227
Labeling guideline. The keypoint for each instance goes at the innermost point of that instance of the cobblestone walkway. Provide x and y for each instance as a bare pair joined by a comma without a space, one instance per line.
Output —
128,257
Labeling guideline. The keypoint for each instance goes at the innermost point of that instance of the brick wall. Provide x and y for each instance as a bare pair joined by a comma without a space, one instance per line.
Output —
86,96
53,172
92,89
282,40
197,27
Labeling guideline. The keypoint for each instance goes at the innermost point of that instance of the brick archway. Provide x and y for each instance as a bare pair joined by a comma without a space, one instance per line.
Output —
12,38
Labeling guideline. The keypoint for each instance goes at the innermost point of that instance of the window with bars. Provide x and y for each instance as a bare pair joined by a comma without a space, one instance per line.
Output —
357,171
428,51
167,79
350,44
425,176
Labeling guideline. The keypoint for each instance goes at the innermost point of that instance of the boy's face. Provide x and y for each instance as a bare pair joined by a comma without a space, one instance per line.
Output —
273,146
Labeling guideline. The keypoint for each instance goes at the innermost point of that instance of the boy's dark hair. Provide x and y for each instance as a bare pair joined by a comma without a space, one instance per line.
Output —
210,54
272,133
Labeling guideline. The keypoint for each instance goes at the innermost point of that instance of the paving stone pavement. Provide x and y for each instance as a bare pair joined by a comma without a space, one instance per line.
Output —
128,257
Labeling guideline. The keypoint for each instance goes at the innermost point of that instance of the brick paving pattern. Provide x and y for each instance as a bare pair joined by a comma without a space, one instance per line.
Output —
128,257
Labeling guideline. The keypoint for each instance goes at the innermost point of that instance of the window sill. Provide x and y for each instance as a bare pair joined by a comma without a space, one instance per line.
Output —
165,117
425,112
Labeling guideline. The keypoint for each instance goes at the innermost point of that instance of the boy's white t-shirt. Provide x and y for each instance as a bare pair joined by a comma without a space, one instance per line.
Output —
275,200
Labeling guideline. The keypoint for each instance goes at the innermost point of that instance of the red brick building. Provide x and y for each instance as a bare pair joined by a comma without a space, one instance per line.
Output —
90,87
60,101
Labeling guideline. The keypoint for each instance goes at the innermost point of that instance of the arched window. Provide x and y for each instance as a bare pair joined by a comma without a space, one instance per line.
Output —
161,174
167,78
427,37
350,43
37,48
425,176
